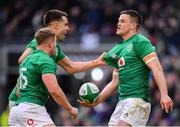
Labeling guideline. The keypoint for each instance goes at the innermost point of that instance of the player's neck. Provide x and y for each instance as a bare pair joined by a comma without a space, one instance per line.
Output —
43,48
128,35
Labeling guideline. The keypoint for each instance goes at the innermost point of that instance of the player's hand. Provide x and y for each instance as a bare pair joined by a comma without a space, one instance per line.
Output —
101,60
166,103
86,104
74,113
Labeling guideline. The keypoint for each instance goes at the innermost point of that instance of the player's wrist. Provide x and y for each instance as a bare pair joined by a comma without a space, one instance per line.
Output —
164,94
69,108
99,100
96,62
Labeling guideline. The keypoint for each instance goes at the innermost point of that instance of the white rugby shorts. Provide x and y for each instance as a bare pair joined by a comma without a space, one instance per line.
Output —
134,111
29,114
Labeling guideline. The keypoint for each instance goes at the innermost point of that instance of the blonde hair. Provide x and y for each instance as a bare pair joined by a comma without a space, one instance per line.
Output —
43,34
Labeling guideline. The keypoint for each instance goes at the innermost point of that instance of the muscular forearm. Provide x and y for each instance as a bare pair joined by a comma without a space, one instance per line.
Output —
166,102
109,88
75,67
84,66
155,66
61,99
153,63
107,91
55,91
160,80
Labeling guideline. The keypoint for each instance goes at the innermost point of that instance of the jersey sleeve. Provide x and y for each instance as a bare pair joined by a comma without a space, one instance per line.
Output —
32,45
144,48
12,96
47,66
111,58
59,54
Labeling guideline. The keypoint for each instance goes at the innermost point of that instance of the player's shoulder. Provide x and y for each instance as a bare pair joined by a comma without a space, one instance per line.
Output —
142,38
33,41
32,44
41,56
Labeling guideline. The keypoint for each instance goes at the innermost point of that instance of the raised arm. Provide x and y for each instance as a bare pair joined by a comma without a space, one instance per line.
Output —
106,92
58,95
153,63
74,67
24,55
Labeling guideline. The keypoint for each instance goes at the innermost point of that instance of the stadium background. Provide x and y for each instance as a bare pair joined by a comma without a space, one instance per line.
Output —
92,31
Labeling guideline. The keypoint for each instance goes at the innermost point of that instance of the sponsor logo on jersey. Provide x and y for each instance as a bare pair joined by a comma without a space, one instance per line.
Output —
113,57
121,62
129,47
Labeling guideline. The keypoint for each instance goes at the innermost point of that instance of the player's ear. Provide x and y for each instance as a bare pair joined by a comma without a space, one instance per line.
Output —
133,26
50,44
56,25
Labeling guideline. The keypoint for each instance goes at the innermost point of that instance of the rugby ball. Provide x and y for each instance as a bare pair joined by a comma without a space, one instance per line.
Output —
89,92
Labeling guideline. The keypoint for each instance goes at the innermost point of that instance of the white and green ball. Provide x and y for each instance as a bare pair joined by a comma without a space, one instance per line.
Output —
89,92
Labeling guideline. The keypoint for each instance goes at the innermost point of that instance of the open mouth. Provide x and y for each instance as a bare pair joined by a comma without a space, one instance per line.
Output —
118,27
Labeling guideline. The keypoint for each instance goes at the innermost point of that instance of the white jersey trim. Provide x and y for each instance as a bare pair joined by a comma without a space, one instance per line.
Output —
152,59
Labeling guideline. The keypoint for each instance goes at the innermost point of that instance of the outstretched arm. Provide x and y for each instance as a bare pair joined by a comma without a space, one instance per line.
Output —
153,63
58,95
106,92
75,67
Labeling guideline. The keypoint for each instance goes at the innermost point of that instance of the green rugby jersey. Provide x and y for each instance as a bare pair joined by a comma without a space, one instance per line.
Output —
133,73
32,89
33,45
12,96
59,53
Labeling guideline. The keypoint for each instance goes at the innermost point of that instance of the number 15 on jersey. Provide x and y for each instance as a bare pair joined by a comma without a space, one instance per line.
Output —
22,78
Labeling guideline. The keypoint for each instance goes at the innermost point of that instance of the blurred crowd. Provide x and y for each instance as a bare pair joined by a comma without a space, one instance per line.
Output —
21,18
98,18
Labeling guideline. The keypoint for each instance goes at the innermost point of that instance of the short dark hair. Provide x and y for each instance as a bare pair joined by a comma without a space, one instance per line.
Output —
135,15
43,34
53,15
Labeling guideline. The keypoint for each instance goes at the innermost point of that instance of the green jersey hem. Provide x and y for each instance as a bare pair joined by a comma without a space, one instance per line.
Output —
31,100
145,99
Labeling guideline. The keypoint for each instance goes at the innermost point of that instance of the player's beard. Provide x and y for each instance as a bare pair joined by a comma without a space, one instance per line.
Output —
61,37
